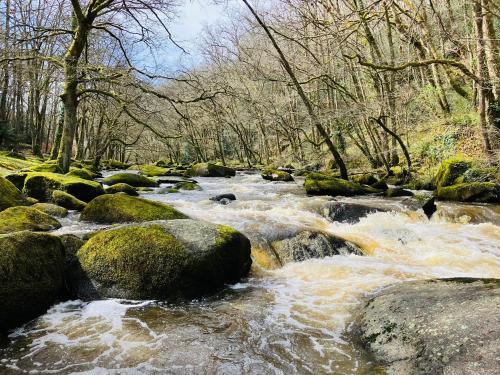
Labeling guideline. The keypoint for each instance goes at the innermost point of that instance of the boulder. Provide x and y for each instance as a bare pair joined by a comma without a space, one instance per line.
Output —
276,175
82,173
131,179
115,164
397,175
31,276
365,179
210,170
173,180
447,326
346,212
486,192
20,218
219,197
122,188
187,186
398,192
380,184
164,260
153,170
421,202
67,201
308,245
321,184
50,166
449,171
51,209
17,179
41,186
121,208
10,196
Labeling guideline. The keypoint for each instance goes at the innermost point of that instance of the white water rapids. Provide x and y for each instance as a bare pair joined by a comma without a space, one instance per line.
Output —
282,321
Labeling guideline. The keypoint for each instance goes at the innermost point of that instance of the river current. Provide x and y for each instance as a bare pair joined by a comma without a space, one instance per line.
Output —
279,320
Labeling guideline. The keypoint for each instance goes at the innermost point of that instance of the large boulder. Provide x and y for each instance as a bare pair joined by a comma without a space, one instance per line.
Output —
20,218
449,171
276,175
41,186
82,173
17,179
321,184
49,166
10,196
308,245
487,192
31,276
446,326
211,170
51,209
122,188
121,208
187,186
153,170
347,212
131,179
164,260
67,201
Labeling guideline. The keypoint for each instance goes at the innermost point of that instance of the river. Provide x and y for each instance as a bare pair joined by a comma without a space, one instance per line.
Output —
288,320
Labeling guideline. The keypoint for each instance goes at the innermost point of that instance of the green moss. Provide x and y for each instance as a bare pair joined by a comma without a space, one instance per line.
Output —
82,173
41,186
365,179
470,192
8,163
122,188
226,233
449,171
51,209
320,184
478,175
10,196
20,218
187,186
172,190
31,276
68,201
131,179
210,170
276,175
153,170
49,166
123,208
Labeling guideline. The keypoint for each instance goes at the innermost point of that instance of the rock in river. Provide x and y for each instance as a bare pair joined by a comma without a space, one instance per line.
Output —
131,179
163,260
448,326
21,218
322,184
211,170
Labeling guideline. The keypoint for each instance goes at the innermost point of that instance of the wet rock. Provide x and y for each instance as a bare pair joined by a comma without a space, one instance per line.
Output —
485,192
41,186
425,203
51,209
174,180
122,188
67,201
448,326
164,260
309,245
398,192
218,198
10,196
21,218
322,184
31,276
276,175
210,170
131,179
117,208
351,213
187,186
225,201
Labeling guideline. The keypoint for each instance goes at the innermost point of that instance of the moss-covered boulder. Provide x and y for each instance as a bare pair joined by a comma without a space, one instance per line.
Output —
49,166
321,184
153,170
122,188
20,218
131,179
365,179
187,186
165,260
10,196
276,175
17,179
82,173
51,209
67,201
449,171
210,170
487,192
115,164
31,276
41,186
397,175
121,208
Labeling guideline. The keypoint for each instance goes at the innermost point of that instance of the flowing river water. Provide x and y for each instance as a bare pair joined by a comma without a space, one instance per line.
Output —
288,320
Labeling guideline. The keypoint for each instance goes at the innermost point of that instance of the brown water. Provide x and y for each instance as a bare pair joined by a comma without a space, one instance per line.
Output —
283,321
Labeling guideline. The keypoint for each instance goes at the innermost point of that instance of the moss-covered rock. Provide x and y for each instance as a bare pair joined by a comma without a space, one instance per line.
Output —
398,192
449,171
153,170
165,259
82,173
121,208
115,164
321,184
68,201
131,179
276,175
470,192
17,179
51,209
10,196
31,276
20,218
187,186
397,175
365,179
380,184
49,166
210,170
41,186
122,188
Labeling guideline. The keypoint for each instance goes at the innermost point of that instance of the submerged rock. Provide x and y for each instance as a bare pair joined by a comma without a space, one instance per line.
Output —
68,201
122,188
211,170
131,179
486,192
276,175
31,276
346,212
21,218
121,208
424,203
321,184
51,209
163,260
187,186
220,197
10,196
308,245
448,326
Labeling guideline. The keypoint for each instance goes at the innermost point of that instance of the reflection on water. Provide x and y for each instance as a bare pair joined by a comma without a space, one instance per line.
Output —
282,321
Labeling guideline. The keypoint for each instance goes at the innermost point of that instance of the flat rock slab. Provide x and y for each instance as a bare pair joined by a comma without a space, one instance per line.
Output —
446,326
